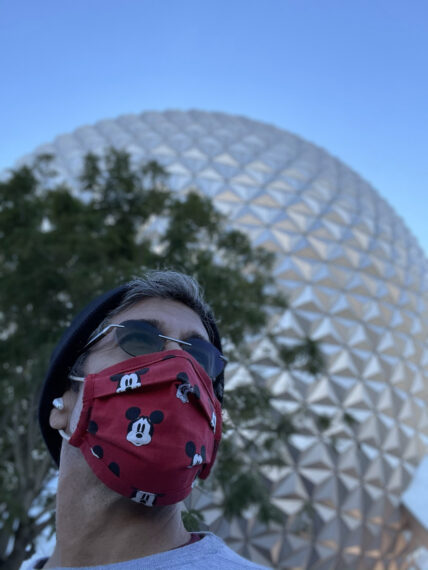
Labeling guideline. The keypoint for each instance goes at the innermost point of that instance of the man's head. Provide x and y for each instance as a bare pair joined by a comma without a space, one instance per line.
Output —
169,299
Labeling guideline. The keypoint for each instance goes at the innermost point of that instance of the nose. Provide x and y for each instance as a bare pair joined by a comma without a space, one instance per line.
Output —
172,345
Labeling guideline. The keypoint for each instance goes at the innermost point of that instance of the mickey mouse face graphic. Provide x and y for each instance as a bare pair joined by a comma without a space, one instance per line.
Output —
129,381
195,458
144,498
184,388
141,428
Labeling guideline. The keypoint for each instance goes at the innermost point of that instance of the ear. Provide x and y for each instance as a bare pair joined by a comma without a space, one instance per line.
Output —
58,419
182,376
156,417
190,449
132,413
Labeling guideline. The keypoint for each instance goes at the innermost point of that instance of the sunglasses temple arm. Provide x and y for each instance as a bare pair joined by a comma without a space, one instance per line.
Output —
101,335
76,378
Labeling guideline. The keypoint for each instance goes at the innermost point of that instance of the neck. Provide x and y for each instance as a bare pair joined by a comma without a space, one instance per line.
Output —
96,526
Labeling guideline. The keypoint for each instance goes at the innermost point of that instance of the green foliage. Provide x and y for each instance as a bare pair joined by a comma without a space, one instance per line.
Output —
323,422
241,482
349,419
192,519
243,402
285,427
306,355
58,251
303,522
254,439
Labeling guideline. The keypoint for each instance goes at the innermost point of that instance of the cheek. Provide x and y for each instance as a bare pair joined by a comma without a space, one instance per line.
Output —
103,358
77,408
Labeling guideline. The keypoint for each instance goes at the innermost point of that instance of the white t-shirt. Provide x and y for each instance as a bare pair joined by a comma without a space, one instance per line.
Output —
210,553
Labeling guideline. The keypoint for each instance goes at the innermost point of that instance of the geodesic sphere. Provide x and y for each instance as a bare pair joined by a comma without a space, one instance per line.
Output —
357,282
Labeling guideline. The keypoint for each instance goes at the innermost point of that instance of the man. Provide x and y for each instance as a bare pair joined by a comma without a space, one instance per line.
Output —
130,410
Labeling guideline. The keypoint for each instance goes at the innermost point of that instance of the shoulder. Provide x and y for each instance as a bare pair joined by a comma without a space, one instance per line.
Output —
210,553
214,554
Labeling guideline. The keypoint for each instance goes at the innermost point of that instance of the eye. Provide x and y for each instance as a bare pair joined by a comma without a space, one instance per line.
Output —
138,337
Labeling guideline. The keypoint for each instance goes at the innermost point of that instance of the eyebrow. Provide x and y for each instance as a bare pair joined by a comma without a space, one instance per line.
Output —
159,326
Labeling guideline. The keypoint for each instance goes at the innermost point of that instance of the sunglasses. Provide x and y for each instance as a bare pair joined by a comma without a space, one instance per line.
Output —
141,337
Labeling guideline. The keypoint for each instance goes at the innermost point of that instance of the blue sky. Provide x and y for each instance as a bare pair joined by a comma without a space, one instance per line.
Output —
350,76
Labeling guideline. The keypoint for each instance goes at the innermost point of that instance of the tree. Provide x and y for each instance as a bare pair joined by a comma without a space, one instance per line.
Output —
60,248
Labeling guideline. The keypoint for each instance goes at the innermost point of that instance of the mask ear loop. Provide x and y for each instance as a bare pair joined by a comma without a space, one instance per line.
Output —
61,431
64,435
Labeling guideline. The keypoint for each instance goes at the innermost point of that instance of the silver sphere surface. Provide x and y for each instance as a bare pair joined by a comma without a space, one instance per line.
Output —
357,283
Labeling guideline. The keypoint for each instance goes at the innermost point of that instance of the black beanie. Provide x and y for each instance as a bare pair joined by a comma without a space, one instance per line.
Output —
73,341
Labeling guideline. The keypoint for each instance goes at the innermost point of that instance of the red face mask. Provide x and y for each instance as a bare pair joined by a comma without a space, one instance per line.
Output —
149,426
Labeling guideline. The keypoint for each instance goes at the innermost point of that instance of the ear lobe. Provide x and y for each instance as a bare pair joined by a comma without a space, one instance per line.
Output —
58,419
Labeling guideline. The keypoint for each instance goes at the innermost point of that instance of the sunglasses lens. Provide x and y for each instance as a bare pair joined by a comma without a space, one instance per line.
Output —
207,355
139,337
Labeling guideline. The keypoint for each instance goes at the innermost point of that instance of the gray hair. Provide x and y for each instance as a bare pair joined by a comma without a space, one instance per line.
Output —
164,285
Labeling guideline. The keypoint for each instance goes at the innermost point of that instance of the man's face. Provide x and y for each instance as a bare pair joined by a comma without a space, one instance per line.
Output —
173,319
